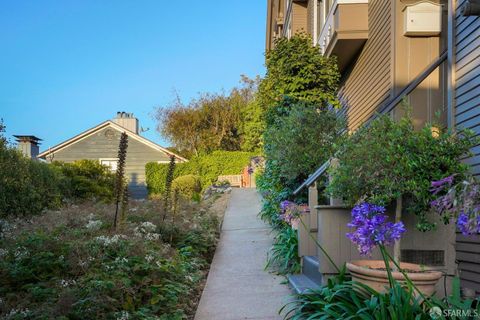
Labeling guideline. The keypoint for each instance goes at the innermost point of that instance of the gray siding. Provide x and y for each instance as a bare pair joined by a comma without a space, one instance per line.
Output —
98,145
467,115
370,81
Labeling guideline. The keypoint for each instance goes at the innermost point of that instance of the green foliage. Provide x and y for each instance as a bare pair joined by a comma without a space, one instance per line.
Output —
389,159
345,299
253,127
26,186
85,179
60,267
209,122
187,186
297,69
207,167
283,255
300,136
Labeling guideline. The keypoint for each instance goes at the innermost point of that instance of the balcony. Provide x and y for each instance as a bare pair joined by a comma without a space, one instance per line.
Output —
345,30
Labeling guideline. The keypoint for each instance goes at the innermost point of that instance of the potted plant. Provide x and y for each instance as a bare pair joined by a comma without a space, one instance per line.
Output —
372,229
388,162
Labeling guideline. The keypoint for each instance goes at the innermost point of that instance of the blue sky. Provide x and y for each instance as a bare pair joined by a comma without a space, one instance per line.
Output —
68,65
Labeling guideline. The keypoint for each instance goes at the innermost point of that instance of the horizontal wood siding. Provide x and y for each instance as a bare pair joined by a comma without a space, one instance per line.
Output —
467,115
370,81
97,146
299,17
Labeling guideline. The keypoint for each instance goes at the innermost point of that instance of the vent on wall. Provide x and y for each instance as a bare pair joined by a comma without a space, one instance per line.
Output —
424,257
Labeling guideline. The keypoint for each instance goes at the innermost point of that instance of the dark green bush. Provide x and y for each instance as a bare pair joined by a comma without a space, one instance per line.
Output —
85,179
26,186
389,159
207,167
187,186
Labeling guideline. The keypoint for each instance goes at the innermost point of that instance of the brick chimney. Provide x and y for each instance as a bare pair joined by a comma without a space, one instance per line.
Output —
28,145
127,120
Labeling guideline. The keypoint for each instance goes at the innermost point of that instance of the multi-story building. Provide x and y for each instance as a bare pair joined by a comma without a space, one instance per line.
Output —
426,53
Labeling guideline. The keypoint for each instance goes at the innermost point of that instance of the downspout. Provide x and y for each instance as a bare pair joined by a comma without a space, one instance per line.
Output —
451,65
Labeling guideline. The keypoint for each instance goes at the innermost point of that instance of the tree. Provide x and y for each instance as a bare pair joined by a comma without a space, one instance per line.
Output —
209,122
300,137
297,69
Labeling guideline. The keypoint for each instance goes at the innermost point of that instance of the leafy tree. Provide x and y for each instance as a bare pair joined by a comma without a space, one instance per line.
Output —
297,69
389,161
300,137
209,122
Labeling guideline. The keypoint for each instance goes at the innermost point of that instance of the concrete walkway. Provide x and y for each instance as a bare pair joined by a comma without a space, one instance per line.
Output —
238,287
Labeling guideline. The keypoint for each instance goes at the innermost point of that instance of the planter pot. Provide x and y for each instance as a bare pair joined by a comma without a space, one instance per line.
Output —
374,274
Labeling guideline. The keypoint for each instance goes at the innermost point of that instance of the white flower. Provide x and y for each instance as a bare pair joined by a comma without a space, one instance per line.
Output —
67,283
146,231
20,253
121,260
3,252
106,241
149,258
124,315
152,236
93,225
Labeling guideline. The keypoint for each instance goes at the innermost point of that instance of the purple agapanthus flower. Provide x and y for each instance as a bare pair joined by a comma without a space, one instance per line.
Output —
372,228
441,184
291,212
467,224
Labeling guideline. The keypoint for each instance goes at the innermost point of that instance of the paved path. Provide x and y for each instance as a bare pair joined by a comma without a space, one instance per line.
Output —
237,285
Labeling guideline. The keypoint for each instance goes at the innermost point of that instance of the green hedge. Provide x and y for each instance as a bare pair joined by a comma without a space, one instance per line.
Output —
27,187
187,186
208,167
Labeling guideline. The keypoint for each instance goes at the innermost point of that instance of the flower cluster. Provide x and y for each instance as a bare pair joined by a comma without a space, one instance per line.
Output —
146,230
291,212
372,228
94,225
107,241
459,201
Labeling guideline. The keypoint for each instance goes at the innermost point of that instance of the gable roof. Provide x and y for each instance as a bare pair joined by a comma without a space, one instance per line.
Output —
102,125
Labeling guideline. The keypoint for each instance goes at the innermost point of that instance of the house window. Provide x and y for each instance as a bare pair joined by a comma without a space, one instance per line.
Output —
110,162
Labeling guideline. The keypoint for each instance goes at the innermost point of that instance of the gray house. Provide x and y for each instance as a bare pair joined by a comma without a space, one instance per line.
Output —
101,143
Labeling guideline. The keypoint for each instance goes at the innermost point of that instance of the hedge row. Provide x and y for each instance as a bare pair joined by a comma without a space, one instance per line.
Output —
27,187
208,167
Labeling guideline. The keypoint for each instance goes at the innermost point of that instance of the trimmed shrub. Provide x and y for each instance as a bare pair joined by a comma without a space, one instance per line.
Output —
26,186
187,186
207,167
85,179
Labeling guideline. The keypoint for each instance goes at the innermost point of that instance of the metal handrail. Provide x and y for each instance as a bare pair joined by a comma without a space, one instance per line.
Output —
385,108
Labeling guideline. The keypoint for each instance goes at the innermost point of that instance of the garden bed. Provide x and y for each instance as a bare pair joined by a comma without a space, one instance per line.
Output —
71,264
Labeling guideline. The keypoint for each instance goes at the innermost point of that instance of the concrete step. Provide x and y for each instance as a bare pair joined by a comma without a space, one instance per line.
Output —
300,283
310,269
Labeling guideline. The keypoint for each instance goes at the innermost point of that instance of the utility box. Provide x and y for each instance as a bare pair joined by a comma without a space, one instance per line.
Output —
423,19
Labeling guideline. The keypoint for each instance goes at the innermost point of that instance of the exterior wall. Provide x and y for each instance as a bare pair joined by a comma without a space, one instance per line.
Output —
98,145
412,56
299,17
466,34
388,62
368,83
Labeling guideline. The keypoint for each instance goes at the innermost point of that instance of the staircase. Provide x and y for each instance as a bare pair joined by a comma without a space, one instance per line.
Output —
310,278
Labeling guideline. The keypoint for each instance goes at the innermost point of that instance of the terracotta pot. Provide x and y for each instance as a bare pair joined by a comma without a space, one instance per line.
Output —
373,274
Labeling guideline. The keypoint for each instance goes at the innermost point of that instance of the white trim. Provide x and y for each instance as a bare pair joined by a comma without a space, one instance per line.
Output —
102,125
111,160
